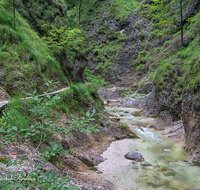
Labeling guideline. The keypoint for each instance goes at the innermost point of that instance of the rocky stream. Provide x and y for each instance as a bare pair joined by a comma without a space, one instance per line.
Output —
164,166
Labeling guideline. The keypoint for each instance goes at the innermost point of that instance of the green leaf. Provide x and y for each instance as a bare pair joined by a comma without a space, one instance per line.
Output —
88,114
23,130
22,157
18,185
28,94
9,130
14,128
8,187
55,147
7,142
94,111
73,188
46,83
37,166
34,92
91,119
32,126
2,130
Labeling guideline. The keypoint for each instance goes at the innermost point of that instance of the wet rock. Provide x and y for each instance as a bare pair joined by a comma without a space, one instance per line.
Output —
133,162
145,164
146,88
122,114
136,113
163,168
176,184
115,118
169,173
154,182
134,167
3,95
134,156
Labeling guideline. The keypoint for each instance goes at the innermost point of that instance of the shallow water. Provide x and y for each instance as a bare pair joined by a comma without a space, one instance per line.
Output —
128,115
167,172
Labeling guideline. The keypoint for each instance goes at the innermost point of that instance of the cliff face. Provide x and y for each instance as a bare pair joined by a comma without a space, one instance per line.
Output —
149,57
191,120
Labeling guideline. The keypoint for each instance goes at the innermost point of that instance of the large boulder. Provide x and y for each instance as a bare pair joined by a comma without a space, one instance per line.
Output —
134,156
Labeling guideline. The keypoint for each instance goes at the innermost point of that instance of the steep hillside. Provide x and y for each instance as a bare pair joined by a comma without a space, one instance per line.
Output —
25,60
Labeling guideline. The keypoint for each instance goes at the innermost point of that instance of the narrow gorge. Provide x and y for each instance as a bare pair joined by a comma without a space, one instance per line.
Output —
100,94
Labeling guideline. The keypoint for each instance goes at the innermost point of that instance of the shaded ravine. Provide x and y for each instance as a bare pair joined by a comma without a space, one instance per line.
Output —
167,172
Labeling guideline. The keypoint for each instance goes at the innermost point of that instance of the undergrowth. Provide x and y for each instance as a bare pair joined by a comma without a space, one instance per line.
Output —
24,57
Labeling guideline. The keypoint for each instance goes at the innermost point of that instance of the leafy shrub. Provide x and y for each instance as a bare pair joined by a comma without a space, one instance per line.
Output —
36,116
140,67
124,94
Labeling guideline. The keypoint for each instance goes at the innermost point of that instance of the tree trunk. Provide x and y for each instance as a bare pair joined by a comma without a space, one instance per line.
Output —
181,9
14,13
79,13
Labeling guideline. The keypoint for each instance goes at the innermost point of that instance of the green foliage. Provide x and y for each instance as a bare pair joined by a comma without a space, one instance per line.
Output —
124,94
106,53
133,96
150,77
63,38
123,126
24,57
31,179
140,67
32,120
78,98
44,12
96,80
121,9
181,69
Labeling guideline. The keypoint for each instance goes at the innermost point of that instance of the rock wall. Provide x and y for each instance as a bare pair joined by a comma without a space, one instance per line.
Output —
3,95
191,121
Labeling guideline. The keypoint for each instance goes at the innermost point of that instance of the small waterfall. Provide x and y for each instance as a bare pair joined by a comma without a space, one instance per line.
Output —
145,132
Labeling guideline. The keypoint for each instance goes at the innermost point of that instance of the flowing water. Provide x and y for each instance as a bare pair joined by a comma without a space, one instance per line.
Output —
167,172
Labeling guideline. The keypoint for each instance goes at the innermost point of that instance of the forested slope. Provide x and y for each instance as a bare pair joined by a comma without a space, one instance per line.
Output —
130,44
25,60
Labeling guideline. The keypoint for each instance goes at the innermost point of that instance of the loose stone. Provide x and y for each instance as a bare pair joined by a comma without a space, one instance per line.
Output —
134,156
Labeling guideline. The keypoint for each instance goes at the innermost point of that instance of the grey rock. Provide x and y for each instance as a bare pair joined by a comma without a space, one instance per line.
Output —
145,164
154,182
133,162
122,114
134,167
134,156
169,173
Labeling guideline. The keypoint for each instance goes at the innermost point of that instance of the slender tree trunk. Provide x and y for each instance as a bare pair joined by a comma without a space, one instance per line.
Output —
79,14
66,9
89,4
181,8
14,13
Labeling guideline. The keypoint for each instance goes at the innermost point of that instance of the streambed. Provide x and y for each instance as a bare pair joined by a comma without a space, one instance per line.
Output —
168,171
